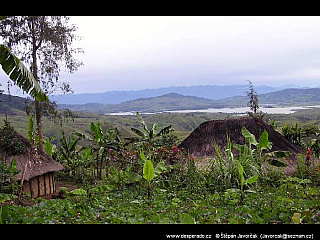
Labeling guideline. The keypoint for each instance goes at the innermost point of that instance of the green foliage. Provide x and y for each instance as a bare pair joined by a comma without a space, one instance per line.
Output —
251,162
268,206
149,135
253,102
19,74
8,181
31,128
264,144
186,218
250,138
48,147
245,182
10,143
293,133
148,171
165,185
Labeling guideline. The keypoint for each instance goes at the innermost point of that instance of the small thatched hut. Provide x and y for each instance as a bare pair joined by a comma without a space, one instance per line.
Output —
36,169
200,142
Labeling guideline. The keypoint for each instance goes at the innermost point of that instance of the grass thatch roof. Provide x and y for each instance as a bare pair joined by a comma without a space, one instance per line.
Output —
37,164
200,141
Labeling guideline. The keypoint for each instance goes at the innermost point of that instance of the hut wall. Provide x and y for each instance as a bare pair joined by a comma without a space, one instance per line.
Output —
40,185
26,187
34,187
47,183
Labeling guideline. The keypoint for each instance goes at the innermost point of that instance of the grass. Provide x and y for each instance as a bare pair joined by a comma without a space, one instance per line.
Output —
183,124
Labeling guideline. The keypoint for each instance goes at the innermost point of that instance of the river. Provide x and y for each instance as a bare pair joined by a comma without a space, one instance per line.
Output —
237,110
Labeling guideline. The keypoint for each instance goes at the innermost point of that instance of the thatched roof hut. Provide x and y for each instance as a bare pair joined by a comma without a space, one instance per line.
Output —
36,169
200,141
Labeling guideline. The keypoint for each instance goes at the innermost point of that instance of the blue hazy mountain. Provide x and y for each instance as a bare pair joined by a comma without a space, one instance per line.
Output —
212,92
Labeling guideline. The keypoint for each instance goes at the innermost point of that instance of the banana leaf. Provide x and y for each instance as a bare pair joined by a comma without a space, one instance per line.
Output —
250,138
274,157
20,75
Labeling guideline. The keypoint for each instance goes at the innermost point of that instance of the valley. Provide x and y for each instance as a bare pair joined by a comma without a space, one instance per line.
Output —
175,102
129,147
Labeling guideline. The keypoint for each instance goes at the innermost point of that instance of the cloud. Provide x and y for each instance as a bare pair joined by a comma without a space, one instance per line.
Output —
148,52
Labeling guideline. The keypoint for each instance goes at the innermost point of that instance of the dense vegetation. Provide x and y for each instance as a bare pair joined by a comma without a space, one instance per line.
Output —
129,170
148,179
125,170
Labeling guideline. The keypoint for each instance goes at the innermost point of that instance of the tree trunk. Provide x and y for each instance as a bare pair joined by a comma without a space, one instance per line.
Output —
35,74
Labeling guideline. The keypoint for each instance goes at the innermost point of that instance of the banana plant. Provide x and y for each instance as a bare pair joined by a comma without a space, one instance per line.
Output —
146,134
245,182
273,157
19,74
150,174
102,142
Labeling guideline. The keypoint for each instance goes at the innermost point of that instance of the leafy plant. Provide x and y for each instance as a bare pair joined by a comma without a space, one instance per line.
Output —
8,172
102,143
19,74
151,174
148,174
272,158
245,182
149,135
293,133
186,218
10,142
68,151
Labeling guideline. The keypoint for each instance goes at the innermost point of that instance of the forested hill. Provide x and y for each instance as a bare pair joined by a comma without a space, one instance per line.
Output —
167,102
11,105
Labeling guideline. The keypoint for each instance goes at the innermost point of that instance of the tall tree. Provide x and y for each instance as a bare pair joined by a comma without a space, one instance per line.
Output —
253,102
44,45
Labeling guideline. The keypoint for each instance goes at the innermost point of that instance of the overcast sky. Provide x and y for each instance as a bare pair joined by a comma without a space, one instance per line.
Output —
133,53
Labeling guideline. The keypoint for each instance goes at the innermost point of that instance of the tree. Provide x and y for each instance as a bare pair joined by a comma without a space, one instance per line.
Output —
44,44
253,102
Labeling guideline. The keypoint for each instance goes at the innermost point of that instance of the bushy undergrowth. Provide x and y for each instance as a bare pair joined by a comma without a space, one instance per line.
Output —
162,184
291,203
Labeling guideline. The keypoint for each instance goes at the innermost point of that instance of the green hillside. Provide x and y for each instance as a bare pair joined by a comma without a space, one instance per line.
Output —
12,105
167,102
182,123
175,101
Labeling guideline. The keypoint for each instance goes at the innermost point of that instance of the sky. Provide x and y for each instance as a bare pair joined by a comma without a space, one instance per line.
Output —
140,52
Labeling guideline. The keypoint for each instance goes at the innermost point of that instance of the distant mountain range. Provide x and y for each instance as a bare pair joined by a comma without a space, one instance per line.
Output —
166,102
213,92
174,101
286,97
